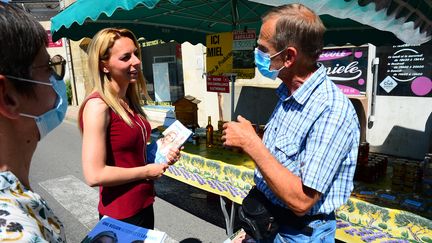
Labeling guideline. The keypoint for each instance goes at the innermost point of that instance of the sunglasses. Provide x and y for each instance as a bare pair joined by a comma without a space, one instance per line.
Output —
58,66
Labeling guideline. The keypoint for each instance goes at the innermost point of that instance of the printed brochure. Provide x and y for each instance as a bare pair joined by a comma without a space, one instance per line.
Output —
113,230
173,137
239,237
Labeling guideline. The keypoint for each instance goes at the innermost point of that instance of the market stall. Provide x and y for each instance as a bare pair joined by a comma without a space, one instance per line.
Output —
229,174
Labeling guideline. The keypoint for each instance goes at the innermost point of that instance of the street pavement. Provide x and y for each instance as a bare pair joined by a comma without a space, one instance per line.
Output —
185,213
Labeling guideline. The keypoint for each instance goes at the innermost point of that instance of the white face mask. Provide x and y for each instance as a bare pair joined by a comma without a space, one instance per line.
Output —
52,118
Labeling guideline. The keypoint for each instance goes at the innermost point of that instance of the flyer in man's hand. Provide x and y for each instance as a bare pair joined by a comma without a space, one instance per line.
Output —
240,237
112,230
173,137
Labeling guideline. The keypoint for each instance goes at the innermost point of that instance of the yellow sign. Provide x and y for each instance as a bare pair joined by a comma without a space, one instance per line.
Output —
219,53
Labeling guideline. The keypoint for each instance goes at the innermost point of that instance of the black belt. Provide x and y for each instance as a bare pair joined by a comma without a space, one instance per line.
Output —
311,218
301,222
286,217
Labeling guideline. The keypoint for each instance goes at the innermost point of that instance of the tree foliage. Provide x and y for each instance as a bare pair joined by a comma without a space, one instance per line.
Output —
417,226
374,213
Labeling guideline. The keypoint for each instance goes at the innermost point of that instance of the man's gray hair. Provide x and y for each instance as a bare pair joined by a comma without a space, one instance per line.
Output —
297,26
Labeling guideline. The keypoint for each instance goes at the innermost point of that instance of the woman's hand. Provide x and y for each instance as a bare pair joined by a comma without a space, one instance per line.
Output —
173,155
155,171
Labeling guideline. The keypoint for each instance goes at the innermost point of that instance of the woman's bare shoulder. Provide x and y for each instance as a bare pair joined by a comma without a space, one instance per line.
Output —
96,107
95,104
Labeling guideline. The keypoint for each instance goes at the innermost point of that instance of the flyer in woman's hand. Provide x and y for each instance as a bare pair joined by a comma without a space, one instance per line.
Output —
173,137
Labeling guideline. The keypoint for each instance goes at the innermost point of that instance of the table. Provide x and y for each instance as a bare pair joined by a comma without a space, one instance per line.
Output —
230,174
360,221
220,171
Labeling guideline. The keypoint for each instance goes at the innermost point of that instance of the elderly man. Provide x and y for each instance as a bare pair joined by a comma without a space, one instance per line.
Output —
306,161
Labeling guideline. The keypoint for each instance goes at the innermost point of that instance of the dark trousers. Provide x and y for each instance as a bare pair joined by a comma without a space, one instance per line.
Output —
144,218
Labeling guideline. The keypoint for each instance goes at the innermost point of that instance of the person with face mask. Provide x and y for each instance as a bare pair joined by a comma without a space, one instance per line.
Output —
306,161
33,102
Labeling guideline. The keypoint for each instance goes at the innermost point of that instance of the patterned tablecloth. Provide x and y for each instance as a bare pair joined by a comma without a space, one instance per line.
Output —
360,221
216,170
230,174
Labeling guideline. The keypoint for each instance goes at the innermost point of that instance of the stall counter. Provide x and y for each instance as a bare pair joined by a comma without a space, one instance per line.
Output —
230,174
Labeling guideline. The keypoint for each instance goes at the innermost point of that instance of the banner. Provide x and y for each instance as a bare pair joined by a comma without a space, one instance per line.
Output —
58,43
219,53
231,52
347,68
244,43
405,71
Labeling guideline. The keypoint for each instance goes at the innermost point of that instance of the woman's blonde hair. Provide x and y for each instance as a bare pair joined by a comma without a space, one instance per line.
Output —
100,50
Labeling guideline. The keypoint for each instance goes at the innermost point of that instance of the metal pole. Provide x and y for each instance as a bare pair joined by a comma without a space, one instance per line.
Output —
71,72
232,78
375,64
70,62
229,220
234,14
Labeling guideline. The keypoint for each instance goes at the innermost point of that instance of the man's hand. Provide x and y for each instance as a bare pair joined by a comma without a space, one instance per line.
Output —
239,134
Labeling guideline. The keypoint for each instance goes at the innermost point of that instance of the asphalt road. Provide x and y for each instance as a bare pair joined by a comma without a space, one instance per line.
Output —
185,213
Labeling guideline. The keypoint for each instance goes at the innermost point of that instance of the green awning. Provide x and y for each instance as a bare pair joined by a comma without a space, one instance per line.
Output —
410,21
355,22
153,19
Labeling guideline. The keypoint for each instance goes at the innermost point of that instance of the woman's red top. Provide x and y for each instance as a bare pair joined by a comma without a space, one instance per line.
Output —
125,147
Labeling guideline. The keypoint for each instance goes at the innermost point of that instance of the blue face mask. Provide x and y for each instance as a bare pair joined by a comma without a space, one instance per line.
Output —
263,61
52,118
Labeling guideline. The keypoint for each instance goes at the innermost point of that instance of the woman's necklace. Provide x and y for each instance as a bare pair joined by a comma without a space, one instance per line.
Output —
126,106
143,133
141,126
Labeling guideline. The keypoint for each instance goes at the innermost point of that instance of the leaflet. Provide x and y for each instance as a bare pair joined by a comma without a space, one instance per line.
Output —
113,230
173,137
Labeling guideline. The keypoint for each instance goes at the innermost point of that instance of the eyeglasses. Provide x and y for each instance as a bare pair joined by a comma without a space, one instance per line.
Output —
58,65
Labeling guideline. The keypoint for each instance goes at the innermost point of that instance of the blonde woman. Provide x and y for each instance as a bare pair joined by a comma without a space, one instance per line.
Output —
115,130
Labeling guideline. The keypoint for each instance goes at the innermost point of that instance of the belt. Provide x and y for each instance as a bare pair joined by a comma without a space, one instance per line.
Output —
302,223
286,217
292,219
311,218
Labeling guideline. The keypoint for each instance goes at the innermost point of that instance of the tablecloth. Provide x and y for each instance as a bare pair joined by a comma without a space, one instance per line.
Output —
230,174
